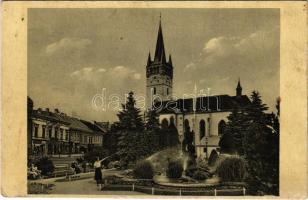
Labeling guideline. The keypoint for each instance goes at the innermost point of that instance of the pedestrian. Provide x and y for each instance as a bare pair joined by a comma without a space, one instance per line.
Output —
98,172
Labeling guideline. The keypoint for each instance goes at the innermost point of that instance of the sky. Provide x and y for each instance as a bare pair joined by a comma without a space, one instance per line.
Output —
73,54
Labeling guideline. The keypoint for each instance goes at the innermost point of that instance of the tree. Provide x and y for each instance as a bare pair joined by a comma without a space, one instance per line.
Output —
130,131
152,131
227,143
130,117
235,130
261,147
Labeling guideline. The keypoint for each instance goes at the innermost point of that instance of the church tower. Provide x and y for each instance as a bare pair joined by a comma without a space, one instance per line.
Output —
239,89
159,73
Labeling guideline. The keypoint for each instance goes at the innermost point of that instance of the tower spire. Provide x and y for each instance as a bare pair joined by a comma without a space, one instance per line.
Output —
160,47
239,88
149,58
170,60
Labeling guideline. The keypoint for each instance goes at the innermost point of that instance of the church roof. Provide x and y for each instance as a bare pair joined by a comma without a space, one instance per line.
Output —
160,47
218,103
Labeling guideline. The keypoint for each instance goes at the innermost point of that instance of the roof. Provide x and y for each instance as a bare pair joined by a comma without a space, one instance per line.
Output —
72,122
218,103
160,47
95,128
46,115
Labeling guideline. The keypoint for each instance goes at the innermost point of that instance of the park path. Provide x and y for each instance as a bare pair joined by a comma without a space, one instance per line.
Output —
84,187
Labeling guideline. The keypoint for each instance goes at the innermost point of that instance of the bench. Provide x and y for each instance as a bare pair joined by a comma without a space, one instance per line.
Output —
72,177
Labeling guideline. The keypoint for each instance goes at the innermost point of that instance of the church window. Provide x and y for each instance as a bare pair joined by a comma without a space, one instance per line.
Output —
154,90
221,127
164,123
202,128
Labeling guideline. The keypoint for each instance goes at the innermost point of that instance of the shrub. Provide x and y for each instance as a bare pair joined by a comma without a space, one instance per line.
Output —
143,170
232,169
45,165
94,153
200,175
175,169
213,158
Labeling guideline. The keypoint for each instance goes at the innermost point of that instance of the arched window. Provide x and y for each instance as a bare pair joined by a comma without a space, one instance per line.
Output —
186,126
164,123
172,120
221,127
202,128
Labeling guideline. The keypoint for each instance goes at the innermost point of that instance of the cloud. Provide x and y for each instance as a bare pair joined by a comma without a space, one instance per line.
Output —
137,76
67,44
95,75
102,70
235,50
224,59
220,46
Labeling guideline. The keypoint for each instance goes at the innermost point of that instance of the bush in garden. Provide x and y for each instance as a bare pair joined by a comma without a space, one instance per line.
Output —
232,169
200,175
213,158
45,165
96,152
175,169
143,170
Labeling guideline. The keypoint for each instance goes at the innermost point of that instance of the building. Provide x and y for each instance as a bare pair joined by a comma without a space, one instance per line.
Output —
55,133
201,118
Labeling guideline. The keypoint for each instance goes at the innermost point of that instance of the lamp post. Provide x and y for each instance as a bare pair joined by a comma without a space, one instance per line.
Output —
181,138
206,154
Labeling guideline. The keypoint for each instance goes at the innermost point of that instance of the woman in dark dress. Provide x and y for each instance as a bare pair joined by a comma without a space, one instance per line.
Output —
98,172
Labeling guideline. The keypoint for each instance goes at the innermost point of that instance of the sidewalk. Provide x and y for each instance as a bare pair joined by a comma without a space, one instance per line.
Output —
82,175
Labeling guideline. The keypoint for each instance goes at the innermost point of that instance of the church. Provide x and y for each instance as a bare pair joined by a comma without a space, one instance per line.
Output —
204,117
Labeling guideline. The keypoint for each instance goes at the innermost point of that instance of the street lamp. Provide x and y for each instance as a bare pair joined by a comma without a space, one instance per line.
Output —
181,138
206,154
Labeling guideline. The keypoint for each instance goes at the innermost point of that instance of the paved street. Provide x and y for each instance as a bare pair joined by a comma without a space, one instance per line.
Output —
85,187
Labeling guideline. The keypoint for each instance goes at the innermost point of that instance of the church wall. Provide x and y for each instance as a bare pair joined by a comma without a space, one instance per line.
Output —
211,126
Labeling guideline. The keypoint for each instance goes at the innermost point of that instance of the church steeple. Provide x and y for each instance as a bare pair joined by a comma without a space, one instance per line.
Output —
149,59
170,60
160,47
239,88
159,72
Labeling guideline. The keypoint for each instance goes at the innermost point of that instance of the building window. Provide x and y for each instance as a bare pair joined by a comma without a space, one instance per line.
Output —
66,136
43,131
56,133
221,127
50,132
167,91
36,131
202,128
154,90
61,134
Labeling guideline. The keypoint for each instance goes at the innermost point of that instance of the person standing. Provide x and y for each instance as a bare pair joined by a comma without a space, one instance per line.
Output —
98,172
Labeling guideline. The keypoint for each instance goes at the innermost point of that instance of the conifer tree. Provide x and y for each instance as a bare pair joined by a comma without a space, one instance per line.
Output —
259,148
152,132
235,131
130,134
